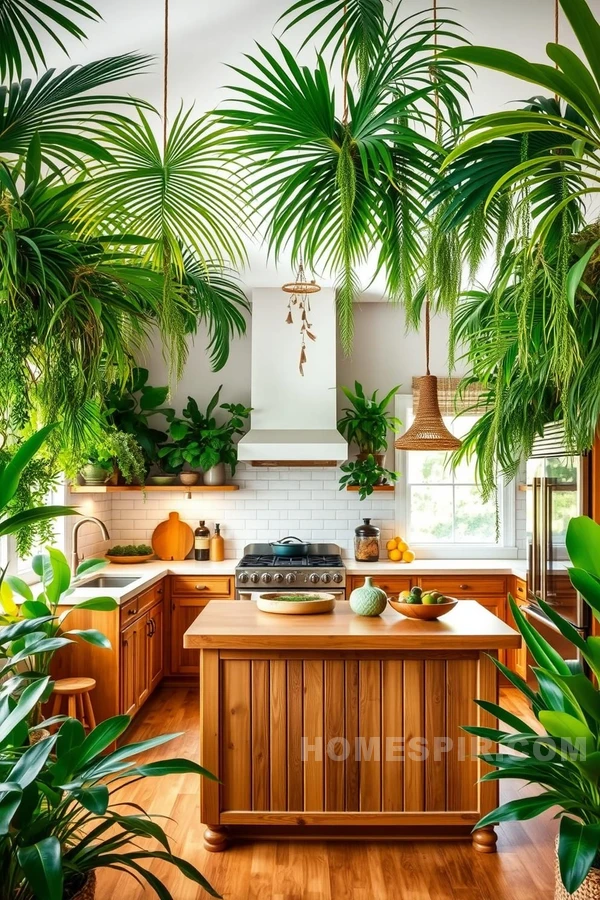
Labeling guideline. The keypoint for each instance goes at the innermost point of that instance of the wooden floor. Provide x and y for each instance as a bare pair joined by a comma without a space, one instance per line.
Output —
521,870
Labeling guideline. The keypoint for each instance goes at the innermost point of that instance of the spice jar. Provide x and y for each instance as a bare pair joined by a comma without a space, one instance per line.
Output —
366,542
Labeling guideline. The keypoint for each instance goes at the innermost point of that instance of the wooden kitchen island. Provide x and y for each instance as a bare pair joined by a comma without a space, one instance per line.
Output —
335,726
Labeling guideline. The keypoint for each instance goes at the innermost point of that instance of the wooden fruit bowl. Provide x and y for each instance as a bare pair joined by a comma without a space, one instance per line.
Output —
270,603
126,560
423,611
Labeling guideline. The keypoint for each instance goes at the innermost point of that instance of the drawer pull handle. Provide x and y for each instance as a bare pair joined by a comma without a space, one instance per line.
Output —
131,612
159,591
464,587
200,587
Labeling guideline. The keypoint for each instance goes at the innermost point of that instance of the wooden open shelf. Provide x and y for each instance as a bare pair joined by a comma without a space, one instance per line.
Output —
181,488
378,487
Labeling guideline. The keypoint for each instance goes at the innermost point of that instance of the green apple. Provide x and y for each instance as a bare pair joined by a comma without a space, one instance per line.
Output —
428,599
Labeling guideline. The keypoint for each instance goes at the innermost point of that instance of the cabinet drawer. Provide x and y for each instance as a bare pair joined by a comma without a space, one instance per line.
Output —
520,589
202,585
141,603
391,584
467,586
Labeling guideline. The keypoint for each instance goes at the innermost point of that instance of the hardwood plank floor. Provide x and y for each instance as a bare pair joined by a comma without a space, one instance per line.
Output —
421,870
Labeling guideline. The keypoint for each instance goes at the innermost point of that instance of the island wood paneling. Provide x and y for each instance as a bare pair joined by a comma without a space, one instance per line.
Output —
343,702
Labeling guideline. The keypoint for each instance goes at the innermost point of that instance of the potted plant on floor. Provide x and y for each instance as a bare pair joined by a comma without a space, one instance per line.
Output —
198,440
61,817
563,757
366,423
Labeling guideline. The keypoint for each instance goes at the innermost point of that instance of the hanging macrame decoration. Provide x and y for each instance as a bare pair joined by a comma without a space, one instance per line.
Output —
299,304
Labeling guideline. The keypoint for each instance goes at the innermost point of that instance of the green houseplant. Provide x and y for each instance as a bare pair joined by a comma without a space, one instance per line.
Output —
366,423
197,438
564,759
60,815
116,453
130,410
365,474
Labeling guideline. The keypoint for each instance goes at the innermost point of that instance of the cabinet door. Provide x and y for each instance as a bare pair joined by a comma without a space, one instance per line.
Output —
516,660
184,610
391,584
156,656
129,663
142,678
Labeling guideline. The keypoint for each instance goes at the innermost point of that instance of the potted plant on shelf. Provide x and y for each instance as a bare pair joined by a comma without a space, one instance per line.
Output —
563,757
366,474
367,422
200,442
116,456
130,410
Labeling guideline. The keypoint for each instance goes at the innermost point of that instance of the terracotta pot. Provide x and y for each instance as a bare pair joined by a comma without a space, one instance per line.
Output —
215,476
589,890
87,891
189,478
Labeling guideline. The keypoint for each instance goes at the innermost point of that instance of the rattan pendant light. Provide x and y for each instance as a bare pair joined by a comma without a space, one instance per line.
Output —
428,431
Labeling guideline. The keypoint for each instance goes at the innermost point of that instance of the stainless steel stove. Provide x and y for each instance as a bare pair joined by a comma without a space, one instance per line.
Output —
259,571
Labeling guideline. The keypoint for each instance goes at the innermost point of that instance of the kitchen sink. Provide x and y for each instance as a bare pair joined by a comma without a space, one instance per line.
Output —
108,581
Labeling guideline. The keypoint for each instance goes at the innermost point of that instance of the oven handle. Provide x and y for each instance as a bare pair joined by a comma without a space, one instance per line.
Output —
249,595
532,613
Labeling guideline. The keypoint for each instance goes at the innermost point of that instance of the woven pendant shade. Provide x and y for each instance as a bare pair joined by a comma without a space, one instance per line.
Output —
428,431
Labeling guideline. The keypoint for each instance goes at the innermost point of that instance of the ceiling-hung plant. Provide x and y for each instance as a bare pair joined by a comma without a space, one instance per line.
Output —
342,175
186,202
562,755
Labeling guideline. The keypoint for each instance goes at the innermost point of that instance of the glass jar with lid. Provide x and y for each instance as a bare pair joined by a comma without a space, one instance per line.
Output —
366,542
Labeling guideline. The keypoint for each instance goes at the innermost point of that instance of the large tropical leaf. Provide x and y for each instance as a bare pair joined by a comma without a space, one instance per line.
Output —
66,109
25,24
186,196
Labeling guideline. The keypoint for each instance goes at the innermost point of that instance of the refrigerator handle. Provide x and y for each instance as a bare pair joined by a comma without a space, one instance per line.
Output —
535,537
544,537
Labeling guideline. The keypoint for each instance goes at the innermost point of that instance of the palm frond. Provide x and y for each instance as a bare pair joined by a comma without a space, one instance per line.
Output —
68,110
24,24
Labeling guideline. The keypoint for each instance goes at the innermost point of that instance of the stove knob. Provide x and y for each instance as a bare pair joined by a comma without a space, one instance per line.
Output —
314,577
243,577
278,577
338,578
266,578
290,577
326,577
254,577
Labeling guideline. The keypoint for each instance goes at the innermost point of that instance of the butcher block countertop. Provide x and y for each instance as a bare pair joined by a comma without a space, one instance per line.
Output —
224,625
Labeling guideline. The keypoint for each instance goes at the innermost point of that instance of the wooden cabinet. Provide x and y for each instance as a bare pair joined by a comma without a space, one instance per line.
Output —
517,660
129,669
189,596
391,584
156,644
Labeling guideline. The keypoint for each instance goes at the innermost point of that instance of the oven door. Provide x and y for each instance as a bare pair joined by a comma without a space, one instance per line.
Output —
243,594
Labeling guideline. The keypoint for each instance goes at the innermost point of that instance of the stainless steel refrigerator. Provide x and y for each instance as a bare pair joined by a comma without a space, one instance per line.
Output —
558,489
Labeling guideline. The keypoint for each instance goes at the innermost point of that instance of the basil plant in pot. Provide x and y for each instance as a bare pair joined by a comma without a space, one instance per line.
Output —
200,442
562,757
367,421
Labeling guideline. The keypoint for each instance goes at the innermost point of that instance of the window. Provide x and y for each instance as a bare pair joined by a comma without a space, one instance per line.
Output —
440,509
8,551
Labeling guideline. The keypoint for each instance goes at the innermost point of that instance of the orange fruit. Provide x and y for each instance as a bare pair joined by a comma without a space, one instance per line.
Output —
395,555
398,540
402,546
391,545
408,556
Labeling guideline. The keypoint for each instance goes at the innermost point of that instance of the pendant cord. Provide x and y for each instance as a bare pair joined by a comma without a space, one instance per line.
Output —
345,69
556,33
437,128
165,74
427,333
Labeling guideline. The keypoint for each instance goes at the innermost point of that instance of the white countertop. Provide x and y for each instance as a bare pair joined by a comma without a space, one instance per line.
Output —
146,574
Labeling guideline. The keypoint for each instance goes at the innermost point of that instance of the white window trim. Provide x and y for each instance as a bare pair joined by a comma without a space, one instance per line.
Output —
28,575
506,550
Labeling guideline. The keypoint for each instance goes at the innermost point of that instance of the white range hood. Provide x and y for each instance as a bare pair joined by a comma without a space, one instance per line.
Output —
293,416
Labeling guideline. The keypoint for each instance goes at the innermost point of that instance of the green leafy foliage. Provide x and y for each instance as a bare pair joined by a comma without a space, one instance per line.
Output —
130,550
197,438
367,422
337,184
563,756
365,474
131,410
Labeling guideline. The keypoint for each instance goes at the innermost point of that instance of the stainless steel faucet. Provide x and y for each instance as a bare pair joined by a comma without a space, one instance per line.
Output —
75,558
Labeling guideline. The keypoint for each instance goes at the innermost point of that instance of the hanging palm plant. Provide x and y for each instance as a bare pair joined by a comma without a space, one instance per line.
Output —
338,183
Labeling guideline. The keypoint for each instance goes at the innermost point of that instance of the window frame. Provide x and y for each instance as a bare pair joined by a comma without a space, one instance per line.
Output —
8,549
505,549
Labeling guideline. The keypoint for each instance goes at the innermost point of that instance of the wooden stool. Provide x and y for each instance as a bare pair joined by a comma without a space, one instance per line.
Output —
79,705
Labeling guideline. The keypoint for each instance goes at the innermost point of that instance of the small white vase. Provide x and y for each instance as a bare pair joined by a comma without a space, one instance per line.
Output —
215,476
